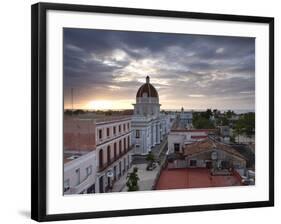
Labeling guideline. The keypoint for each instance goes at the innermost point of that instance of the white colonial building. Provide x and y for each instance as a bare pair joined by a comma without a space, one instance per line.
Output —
79,172
113,148
97,152
148,125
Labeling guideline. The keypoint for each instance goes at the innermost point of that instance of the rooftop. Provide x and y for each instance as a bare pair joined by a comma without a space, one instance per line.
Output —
209,144
99,118
69,156
147,90
193,178
106,119
193,130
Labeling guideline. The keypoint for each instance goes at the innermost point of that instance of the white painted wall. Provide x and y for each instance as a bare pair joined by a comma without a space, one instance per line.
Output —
81,163
182,138
103,127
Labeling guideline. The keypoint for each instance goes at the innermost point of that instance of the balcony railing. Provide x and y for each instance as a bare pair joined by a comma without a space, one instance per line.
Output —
113,160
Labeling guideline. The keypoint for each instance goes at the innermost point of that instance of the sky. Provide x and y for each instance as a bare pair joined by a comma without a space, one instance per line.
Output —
105,69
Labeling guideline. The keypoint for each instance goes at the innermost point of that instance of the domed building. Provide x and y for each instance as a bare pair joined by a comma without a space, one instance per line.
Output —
146,123
147,100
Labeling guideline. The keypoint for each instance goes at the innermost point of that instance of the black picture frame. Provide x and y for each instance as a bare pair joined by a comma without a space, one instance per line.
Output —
38,109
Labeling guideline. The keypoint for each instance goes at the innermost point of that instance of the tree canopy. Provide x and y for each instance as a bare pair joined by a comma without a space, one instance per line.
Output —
132,180
245,125
202,120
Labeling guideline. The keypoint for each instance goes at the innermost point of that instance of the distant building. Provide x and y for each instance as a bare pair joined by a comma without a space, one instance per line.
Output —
166,122
224,133
185,118
244,139
179,138
147,124
210,154
194,147
183,134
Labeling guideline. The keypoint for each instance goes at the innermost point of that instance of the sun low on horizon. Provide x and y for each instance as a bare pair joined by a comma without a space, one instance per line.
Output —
109,104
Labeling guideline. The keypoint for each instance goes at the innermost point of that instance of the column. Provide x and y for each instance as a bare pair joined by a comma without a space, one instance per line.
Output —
154,134
158,133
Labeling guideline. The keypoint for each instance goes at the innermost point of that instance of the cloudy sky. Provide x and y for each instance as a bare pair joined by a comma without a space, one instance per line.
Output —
106,68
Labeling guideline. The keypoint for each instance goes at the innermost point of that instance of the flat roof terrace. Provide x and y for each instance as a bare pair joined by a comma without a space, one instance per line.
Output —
193,178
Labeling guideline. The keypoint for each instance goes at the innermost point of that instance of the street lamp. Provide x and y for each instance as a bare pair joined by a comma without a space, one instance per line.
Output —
110,175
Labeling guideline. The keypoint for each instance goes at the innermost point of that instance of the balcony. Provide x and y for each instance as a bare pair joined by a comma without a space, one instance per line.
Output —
113,160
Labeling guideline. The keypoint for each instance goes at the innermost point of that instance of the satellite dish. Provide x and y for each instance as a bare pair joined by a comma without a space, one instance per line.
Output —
109,173
214,155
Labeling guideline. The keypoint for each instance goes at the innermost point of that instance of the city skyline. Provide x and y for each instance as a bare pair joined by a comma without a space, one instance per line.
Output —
105,68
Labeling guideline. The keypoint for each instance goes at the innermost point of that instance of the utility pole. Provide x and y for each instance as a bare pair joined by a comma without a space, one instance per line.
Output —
72,102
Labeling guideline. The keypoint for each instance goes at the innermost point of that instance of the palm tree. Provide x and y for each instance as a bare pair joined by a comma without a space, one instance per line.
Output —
132,180
238,130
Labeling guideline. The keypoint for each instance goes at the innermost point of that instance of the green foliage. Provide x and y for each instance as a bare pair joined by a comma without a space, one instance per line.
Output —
223,121
201,120
74,112
248,123
132,180
67,112
229,113
78,111
245,125
150,157
208,113
232,138
215,113
108,112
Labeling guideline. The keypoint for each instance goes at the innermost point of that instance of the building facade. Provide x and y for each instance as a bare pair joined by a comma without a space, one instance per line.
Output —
79,155
97,152
80,173
147,124
210,154
114,151
186,118
179,138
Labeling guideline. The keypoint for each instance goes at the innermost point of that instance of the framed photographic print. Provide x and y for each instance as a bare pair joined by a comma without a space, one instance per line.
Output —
139,111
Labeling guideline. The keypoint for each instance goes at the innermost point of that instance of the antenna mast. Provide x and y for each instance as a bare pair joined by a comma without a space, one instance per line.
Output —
72,102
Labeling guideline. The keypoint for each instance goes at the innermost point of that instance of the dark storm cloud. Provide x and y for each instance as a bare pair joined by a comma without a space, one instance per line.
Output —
97,61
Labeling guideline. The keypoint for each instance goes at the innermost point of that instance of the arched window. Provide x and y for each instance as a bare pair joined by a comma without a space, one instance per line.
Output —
100,158
124,167
115,151
120,147
137,133
108,154
124,142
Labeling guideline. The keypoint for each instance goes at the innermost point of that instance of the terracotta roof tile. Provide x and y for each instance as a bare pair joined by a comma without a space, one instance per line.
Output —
209,144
